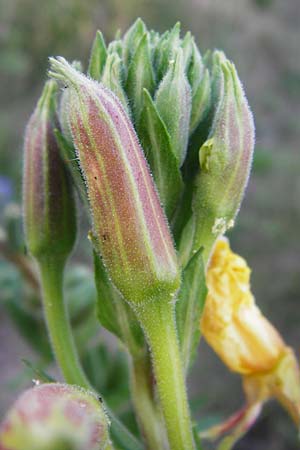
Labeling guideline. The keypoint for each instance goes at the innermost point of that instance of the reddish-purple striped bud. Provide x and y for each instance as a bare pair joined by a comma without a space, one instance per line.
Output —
55,416
129,225
49,210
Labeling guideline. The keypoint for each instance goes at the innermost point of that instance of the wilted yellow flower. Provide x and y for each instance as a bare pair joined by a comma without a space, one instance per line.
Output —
243,338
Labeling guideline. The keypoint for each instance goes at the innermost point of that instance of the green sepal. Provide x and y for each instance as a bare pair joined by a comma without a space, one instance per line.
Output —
173,102
189,307
112,78
114,313
97,57
140,75
132,38
158,150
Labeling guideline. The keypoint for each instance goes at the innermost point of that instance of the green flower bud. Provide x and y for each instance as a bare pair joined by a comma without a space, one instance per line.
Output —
129,225
225,160
55,417
49,210
173,102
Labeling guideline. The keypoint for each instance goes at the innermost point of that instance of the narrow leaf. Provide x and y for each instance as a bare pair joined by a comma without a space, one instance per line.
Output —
98,57
189,307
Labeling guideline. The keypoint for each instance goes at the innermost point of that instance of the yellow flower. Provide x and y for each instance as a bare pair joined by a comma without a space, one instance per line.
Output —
243,338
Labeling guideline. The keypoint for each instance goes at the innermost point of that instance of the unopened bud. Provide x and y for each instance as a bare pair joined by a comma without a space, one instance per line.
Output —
129,225
173,101
55,417
49,210
225,159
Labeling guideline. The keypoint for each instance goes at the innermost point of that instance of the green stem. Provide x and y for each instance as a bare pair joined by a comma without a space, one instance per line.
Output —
58,322
63,343
143,400
158,321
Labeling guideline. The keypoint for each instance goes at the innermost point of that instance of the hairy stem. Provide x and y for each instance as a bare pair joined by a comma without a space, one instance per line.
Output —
158,321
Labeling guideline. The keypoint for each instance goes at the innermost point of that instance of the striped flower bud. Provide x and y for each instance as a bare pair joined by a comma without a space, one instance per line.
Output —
130,228
55,416
49,210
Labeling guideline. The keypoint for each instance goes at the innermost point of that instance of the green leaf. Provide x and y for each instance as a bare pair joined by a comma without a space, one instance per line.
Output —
21,307
191,300
80,292
158,150
114,313
38,373
173,102
140,76
98,57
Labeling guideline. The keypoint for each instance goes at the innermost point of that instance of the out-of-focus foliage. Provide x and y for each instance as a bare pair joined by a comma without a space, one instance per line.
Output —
263,37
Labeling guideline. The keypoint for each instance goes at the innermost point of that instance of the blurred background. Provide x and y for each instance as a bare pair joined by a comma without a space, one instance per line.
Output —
262,37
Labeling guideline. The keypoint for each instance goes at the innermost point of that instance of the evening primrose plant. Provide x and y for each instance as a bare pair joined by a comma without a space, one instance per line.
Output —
154,144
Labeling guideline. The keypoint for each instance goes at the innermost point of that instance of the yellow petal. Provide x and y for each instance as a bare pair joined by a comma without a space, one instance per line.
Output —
232,323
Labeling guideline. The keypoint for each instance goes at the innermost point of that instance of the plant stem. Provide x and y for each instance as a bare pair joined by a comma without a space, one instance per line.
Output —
143,400
63,343
158,321
58,322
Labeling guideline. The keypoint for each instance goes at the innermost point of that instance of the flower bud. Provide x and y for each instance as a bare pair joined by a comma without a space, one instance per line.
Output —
243,338
130,229
173,102
55,417
49,210
225,158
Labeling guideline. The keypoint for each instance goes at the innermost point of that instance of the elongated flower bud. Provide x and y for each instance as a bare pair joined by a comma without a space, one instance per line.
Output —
225,159
129,225
55,416
49,210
